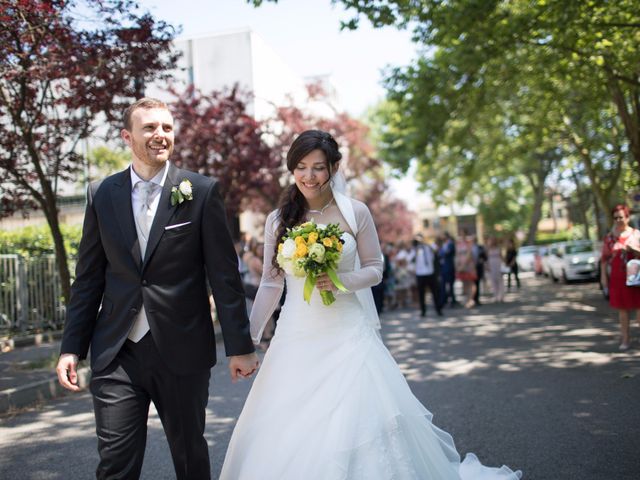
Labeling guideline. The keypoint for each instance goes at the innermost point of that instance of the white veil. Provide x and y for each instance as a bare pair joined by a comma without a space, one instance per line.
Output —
365,296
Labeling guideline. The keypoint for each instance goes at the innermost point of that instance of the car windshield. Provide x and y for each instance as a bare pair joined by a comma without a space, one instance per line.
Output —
579,248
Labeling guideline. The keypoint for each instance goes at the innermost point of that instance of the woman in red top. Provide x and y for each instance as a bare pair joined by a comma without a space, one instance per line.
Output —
621,244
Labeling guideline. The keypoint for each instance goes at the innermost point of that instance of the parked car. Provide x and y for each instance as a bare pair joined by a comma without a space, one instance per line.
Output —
526,258
548,253
537,260
575,260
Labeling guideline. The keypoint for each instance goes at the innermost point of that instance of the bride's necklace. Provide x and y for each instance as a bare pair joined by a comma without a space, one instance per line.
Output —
321,211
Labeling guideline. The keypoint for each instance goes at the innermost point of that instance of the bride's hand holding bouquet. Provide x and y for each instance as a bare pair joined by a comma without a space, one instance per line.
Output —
313,251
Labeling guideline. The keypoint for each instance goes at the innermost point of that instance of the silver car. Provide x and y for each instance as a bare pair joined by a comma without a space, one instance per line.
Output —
526,258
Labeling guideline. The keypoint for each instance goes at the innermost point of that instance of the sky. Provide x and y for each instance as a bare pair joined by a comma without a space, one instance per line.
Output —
306,35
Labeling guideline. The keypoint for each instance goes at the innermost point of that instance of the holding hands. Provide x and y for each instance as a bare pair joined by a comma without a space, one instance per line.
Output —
243,366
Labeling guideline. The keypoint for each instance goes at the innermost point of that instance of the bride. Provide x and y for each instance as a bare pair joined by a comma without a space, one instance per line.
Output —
330,402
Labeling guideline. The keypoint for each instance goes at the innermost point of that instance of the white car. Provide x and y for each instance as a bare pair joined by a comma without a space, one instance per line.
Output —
576,260
548,253
526,258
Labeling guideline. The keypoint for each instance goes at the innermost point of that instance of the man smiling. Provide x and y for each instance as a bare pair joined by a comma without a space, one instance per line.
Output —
140,301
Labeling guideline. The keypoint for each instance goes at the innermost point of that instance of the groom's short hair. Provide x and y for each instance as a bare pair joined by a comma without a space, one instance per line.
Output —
145,103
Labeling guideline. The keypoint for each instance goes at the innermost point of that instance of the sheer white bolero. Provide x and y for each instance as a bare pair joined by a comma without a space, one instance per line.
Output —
354,217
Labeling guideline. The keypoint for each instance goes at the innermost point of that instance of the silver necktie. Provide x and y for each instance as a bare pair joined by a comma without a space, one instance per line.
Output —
144,219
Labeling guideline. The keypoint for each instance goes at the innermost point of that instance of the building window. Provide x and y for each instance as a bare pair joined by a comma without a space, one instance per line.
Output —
425,223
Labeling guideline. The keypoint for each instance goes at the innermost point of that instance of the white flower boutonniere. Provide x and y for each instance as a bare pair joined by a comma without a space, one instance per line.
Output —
182,192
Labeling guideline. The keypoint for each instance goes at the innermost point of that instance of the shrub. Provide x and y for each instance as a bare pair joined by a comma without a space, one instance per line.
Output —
35,241
544,238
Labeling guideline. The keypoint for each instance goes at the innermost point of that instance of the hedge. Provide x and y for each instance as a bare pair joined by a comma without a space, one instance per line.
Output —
37,240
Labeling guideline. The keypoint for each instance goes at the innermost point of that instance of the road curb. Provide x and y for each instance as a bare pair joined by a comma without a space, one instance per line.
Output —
35,392
8,344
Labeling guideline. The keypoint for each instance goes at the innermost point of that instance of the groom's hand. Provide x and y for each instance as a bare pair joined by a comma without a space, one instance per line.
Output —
243,366
67,371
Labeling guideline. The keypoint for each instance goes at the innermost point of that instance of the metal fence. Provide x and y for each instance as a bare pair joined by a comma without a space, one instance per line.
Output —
30,294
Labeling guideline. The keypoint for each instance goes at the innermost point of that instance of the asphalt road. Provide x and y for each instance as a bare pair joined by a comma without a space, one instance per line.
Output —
536,383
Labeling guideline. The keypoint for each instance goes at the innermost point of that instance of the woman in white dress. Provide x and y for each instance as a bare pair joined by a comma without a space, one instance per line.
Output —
495,263
329,402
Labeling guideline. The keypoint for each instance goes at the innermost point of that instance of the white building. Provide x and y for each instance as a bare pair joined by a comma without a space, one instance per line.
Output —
219,61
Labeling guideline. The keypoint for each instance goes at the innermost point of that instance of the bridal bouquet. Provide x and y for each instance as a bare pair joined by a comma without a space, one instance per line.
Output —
309,250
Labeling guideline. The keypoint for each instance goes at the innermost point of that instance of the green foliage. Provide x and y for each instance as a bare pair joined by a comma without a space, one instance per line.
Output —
544,238
108,161
36,241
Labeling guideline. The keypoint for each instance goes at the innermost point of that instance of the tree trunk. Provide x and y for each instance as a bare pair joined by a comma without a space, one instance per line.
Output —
602,188
536,214
51,214
630,120
597,212
582,204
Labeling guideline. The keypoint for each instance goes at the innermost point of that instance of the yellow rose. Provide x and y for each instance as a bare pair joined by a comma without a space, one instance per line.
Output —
313,237
301,250
280,247
339,246
299,240
327,242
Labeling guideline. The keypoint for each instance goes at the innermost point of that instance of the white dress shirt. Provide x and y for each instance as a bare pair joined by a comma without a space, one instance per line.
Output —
424,258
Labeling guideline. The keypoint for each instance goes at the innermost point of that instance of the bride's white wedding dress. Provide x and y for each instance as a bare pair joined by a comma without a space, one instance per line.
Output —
329,402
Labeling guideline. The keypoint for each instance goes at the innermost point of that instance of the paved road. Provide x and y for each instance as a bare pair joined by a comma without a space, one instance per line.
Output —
536,383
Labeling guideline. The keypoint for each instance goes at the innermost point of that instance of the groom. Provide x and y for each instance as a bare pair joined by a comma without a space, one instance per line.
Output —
153,236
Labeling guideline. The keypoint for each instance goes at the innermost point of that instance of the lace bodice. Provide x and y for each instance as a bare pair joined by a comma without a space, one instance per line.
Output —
363,244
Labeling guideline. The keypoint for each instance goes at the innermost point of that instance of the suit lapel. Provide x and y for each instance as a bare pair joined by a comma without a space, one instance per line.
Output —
163,214
121,199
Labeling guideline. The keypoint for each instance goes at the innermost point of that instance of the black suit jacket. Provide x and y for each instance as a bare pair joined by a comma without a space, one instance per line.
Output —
112,280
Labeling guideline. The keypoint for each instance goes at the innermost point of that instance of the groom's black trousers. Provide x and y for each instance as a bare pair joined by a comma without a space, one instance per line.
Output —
121,396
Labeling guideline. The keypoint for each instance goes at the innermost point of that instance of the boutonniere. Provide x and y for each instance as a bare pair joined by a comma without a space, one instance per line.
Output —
181,193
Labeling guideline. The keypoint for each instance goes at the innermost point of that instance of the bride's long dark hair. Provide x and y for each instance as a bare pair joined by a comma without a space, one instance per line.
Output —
293,206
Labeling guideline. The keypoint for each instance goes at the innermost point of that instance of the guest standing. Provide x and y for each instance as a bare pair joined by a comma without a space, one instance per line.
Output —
494,264
512,263
621,244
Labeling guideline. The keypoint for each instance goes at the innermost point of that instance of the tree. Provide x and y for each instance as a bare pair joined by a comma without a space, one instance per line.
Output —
216,137
544,49
67,67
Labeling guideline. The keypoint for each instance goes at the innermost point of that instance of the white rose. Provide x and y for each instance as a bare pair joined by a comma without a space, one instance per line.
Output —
289,248
286,264
185,188
317,251
298,269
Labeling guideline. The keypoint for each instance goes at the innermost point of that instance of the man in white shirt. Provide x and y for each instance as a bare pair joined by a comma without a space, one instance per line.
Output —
426,267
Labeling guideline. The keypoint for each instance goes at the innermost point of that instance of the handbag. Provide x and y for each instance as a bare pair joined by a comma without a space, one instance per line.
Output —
633,273
632,268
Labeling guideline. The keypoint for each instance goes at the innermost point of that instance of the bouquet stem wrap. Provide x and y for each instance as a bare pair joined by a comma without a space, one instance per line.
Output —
327,295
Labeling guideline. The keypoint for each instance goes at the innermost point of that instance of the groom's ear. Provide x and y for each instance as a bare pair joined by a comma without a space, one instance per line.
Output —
126,136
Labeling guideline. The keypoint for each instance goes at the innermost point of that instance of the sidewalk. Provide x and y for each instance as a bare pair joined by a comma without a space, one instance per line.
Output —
27,370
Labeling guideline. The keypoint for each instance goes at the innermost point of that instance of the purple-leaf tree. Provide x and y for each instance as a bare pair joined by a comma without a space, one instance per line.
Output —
216,137
66,68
